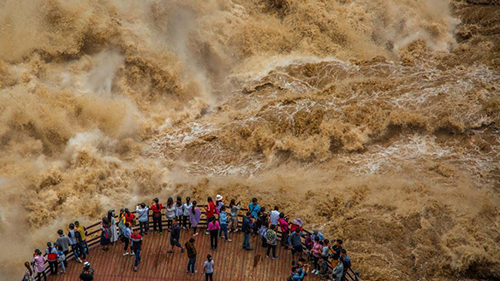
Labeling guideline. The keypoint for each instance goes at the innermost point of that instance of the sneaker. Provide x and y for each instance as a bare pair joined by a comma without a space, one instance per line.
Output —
207,233
135,268
313,271
229,240
182,250
249,249
170,252
126,254
236,230
267,256
132,254
229,231
196,271
275,257
79,260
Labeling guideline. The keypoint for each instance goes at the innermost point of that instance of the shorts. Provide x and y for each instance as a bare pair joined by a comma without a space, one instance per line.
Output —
174,242
297,249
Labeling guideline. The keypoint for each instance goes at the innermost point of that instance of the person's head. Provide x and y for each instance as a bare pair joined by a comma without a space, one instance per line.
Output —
321,243
315,232
297,230
105,221
282,215
143,205
295,269
127,211
38,252
174,221
170,201
276,208
28,266
262,210
191,240
232,203
209,199
127,224
179,201
86,265
122,211
343,252
316,239
223,208
49,245
326,242
60,232
209,257
71,226
188,199
273,227
219,198
134,231
77,223
339,242
111,213
254,200
58,247
210,219
249,214
156,200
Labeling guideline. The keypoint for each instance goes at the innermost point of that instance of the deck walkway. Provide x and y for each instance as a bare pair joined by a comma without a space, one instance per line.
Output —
231,261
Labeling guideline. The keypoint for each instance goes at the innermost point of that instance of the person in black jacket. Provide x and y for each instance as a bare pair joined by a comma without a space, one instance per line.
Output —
175,235
247,227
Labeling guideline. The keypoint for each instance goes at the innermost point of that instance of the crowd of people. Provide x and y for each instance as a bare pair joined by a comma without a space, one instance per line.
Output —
312,252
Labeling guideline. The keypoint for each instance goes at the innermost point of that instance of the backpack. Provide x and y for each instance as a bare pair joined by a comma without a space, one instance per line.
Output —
262,231
105,232
270,235
51,256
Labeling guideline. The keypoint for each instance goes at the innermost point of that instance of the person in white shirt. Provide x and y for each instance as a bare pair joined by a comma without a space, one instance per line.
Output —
185,213
275,215
143,217
170,212
208,268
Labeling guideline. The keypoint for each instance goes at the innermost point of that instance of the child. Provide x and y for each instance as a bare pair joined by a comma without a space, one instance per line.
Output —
223,220
185,213
61,258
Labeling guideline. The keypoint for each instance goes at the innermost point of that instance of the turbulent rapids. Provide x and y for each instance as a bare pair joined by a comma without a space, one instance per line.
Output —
376,121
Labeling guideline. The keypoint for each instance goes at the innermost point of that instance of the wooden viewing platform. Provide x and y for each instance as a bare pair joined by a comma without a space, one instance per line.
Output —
231,261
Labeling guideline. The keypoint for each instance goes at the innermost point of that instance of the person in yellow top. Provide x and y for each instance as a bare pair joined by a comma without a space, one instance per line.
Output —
83,232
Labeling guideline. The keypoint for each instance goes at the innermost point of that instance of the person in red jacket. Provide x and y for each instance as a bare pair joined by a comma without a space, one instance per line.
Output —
156,208
129,217
210,210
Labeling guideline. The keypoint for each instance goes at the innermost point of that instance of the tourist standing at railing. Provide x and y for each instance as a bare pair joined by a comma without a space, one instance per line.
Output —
325,252
74,242
39,264
64,242
51,254
283,223
185,213
105,234
223,221
213,228
318,234
208,268
346,261
175,236
179,209
157,207
129,217
29,275
194,217
127,233
316,254
233,220
338,270
143,217
112,222
83,233
170,212
247,228
263,226
191,253
295,243
209,210
219,202
337,249
254,208
136,247
324,271
272,241
61,258
274,216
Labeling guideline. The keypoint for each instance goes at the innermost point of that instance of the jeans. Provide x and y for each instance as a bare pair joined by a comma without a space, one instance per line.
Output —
62,266
157,222
186,221
39,276
137,253
213,239
284,238
85,246
191,263
208,276
126,241
269,247
65,260
81,249
223,228
246,240
76,250
53,267
144,227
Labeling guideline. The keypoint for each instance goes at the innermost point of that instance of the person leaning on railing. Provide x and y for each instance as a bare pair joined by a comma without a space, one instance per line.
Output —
157,207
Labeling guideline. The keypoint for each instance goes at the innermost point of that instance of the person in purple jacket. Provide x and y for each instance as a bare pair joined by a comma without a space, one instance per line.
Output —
39,264
194,217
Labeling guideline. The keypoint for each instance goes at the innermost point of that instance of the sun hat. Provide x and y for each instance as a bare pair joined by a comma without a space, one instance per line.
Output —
218,197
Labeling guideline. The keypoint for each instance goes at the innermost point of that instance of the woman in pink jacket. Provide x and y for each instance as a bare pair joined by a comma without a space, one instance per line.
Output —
39,264
213,228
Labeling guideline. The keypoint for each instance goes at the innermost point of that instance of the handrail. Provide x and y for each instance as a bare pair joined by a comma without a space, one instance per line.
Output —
164,222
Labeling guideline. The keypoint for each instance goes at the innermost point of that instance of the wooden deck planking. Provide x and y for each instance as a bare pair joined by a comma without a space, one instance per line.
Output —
231,261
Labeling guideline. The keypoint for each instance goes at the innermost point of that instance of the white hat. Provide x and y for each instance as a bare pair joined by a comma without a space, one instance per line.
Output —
218,197
86,264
